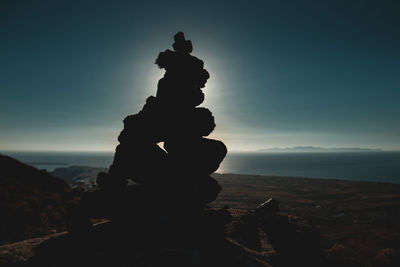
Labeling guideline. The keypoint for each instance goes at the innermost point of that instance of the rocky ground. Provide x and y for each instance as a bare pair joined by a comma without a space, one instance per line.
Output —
252,238
358,224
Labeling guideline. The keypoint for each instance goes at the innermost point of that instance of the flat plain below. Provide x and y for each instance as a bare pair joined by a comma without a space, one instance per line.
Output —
361,219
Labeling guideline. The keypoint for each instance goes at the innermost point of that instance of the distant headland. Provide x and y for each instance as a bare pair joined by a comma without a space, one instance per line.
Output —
319,149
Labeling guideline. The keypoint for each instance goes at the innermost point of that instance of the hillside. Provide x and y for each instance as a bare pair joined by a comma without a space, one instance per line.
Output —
32,201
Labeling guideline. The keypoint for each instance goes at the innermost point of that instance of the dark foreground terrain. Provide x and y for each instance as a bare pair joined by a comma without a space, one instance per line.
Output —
359,222
328,222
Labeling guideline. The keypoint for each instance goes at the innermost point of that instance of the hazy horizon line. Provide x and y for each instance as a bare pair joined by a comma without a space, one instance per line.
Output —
261,150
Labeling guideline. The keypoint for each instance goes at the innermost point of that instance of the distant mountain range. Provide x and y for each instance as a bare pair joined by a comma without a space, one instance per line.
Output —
319,149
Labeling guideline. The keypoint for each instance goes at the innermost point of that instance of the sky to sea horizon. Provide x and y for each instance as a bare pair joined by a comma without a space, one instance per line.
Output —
377,166
281,72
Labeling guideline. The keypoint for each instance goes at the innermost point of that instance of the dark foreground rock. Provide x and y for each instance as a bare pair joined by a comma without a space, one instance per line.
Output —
161,186
32,202
204,240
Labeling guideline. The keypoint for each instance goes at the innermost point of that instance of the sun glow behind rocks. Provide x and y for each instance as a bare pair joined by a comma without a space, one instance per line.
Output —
153,76
281,74
215,89
216,92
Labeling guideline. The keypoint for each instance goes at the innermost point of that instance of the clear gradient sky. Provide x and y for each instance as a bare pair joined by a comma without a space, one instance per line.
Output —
283,73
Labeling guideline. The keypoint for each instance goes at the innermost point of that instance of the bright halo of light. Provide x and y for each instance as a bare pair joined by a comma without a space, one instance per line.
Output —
153,75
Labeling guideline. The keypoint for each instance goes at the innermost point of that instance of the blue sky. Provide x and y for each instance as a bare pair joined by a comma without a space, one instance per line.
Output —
283,73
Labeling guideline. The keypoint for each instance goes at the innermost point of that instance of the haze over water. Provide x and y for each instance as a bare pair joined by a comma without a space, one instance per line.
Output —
316,73
360,166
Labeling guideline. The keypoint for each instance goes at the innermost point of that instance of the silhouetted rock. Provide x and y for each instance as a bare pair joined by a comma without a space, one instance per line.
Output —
294,238
198,239
163,185
200,155
195,241
182,45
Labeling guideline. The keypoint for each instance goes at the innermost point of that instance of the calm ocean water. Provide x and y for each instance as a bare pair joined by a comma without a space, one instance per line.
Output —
362,166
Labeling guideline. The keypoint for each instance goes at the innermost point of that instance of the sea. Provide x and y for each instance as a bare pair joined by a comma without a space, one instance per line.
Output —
360,166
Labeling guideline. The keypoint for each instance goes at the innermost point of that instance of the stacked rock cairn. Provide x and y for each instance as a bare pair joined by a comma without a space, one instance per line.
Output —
176,178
